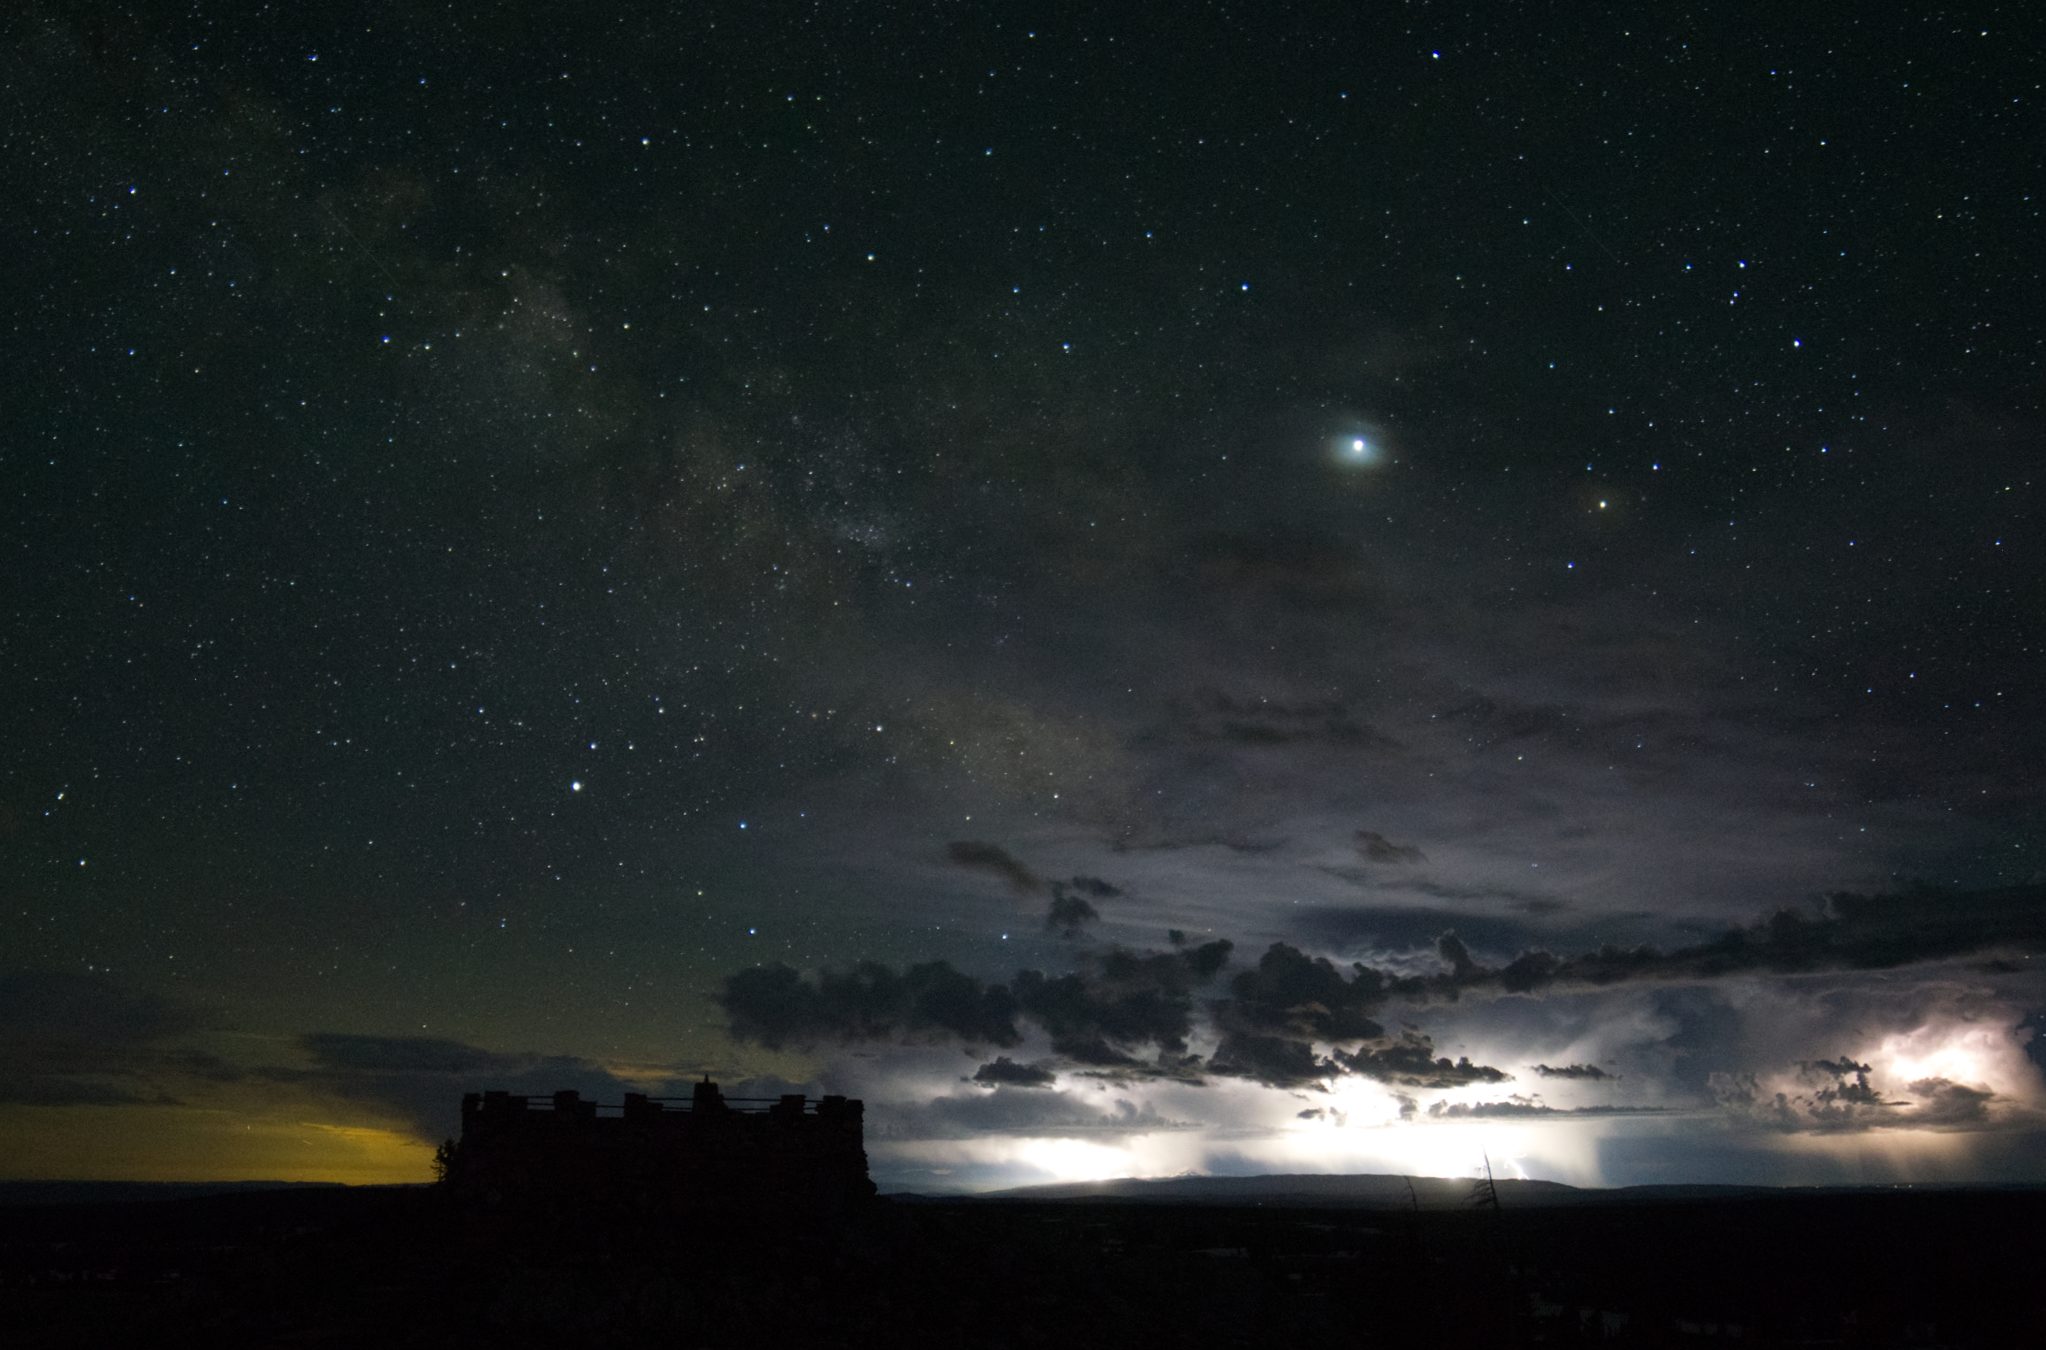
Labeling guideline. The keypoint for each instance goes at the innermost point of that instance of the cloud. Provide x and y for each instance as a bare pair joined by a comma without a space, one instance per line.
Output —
1296,1020
1852,932
84,1010
1375,847
993,858
1291,1002
421,1079
776,1006
1009,1110
1942,1102
1094,887
1005,1072
1124,1010
1410,1061
1526,901
1120,1002
1522,1108
1234,842
1216,718
1836,1096
1395,927
403,1054
1290,993
67,1090
82,1040
1275,1061
1069,914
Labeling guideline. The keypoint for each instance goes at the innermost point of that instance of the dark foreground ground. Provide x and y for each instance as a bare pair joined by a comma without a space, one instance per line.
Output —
404,1267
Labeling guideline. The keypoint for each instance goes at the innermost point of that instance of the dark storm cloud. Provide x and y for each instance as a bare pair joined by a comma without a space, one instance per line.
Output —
1852,932
49,1005
1451,949
1397,927
1275,1061
1527,902
1069,915
1129,1011
1093,887
80,1040
1375,847
1410,1061
1524,1108
776,1006
995,859
1218,718
1289,993
1234,843
1120,1003
1129,1015
1290,1002
71,1041
1005,1072
420,1079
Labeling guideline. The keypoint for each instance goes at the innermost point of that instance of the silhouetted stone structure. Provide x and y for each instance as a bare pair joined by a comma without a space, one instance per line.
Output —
661,1155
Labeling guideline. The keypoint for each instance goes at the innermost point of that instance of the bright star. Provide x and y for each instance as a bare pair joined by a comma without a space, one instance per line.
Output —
1357,448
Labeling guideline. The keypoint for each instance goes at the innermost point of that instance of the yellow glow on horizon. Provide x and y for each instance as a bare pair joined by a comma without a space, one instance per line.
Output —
1893,1156
181,1143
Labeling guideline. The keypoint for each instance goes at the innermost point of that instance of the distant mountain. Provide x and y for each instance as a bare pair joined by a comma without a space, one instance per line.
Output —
1359,1191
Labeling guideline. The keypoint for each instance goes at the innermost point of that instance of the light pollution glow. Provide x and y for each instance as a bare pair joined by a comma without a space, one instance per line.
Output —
1242,1128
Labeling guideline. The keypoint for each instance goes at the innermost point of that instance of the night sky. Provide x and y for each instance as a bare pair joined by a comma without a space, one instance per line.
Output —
1242,589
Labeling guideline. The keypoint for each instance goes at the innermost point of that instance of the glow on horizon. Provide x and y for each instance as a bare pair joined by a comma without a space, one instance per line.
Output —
151,1142
1553,1151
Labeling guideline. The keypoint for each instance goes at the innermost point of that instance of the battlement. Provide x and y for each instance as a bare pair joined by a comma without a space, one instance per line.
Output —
702,1151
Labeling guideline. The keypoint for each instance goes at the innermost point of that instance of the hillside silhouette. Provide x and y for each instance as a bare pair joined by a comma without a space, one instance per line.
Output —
419,1266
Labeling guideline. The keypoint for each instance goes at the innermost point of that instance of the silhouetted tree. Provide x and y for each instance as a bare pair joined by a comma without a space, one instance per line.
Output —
443,1161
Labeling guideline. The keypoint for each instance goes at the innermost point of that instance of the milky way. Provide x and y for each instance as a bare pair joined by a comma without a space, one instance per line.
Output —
1286,592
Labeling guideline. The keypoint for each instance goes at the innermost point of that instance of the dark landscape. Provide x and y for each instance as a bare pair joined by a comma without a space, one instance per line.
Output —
403,1266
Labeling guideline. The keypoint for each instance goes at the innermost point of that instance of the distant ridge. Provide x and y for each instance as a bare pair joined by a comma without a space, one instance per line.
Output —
1357,1190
